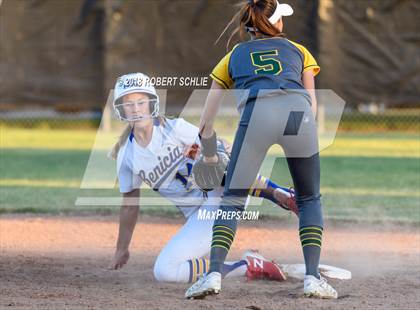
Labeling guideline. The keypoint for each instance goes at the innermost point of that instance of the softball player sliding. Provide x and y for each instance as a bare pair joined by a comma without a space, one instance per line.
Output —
278,74
156,151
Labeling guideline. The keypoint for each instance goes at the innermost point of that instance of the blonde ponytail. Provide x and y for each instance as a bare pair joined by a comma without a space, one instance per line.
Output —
121,140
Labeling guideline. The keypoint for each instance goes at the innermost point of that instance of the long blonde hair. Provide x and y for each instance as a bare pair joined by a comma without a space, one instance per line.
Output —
255,14
124,136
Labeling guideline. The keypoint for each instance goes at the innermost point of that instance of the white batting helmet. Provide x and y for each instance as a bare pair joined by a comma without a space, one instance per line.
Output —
135,83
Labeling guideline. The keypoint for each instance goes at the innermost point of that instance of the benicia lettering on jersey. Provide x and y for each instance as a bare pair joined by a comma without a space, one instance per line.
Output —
165,163
207,215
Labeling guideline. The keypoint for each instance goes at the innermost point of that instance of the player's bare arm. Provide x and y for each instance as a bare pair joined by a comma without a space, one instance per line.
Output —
128,219
211,108
308,80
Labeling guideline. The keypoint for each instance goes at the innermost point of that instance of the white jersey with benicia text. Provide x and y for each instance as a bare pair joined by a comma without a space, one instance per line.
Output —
162,164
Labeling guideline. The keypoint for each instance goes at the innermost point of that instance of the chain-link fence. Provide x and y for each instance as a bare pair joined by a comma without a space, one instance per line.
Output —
387,120
364,119
50,119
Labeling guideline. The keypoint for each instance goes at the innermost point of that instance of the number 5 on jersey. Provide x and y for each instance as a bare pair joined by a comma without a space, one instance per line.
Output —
265,63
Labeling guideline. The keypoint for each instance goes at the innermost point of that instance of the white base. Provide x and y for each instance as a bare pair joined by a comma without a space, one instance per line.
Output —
298,271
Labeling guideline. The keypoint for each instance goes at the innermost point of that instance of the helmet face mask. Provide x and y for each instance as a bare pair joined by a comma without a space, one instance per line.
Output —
120,108
130,84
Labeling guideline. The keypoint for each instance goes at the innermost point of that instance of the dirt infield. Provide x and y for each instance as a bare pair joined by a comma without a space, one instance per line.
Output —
61,263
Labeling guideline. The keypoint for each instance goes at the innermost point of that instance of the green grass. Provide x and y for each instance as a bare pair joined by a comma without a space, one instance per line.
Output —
366,177
368,188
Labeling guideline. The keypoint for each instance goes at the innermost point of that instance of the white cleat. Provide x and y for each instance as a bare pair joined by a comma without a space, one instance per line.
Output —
319,288
209,284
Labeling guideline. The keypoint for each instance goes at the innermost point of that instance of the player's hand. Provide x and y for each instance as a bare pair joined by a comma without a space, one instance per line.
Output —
120,259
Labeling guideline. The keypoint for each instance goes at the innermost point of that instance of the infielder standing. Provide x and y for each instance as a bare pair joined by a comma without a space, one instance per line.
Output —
153,150
278,75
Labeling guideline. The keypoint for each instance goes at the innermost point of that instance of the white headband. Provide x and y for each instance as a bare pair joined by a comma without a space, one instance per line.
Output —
281,10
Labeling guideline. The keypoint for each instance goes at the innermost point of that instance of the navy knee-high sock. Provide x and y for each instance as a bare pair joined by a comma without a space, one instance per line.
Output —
310,231
223,236
265,188
311,241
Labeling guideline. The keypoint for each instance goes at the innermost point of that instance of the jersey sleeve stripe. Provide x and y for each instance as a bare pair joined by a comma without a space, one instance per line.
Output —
218,80
310,66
